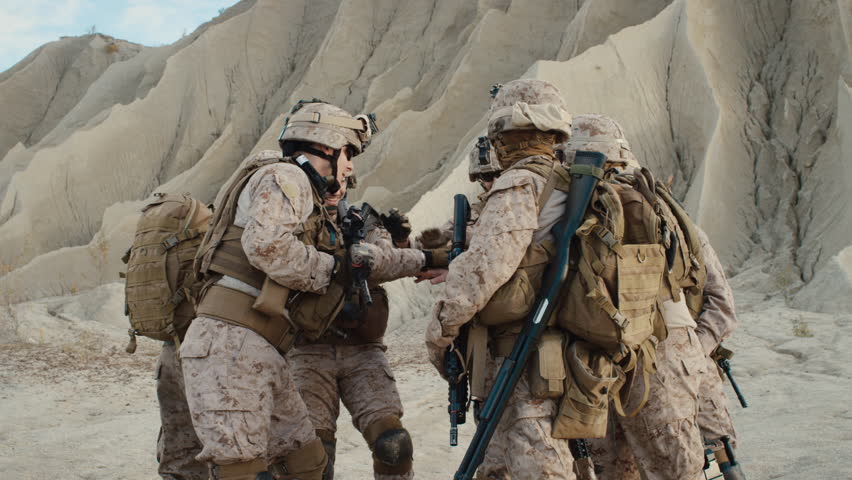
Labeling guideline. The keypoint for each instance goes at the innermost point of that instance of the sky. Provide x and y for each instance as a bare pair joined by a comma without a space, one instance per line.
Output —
27,24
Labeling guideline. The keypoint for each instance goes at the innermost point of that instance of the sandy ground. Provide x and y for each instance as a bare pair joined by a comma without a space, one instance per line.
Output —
87,410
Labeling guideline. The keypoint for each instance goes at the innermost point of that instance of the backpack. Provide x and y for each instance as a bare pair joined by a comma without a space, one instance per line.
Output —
610,305
160,285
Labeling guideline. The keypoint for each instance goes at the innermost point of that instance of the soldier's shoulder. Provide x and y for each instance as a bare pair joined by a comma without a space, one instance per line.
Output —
514,178
290,178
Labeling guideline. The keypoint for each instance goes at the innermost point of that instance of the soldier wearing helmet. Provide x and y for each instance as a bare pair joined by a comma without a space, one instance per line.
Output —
664,440
276,270
527,118
348,363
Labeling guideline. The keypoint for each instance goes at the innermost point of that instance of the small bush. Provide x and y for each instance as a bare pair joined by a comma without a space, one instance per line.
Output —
111,48
801,329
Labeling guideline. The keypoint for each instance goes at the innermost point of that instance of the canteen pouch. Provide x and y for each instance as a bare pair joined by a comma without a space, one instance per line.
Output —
584,406
547,366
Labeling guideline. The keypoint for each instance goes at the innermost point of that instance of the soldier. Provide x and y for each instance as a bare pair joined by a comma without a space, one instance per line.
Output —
483,168
348,364
527,118
177,443
663,441
277,270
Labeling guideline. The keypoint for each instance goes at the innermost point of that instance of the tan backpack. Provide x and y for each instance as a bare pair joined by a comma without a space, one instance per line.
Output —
160,286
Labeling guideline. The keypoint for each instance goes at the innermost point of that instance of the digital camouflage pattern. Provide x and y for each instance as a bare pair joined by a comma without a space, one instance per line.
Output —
600,133
358,375
528,104
498,243
714,416
308,124
274,202
394,262
177,444
522,446
244,402
719,318
663,437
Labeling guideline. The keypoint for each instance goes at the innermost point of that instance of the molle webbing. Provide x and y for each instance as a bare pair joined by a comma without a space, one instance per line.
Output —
230,259
235,307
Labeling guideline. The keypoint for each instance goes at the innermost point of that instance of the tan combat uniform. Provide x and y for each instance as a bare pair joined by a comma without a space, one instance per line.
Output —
244,402
355,370
686,404
177,443
522,446
716,323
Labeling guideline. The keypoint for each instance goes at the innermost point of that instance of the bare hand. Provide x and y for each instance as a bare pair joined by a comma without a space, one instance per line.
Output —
434,275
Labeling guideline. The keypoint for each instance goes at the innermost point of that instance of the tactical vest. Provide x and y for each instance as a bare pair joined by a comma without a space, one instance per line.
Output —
280,315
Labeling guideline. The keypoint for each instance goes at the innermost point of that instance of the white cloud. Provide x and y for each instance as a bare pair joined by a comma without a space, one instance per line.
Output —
28,25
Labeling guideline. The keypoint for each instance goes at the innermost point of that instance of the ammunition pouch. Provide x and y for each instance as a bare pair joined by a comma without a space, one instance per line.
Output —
547,366
306,463
584,407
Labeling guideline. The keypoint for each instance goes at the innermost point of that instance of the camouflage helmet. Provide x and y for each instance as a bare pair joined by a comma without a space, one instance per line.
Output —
599,133
318,122
529,104
483,159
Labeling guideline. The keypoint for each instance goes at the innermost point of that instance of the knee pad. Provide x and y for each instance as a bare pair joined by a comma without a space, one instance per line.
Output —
306,463
391,444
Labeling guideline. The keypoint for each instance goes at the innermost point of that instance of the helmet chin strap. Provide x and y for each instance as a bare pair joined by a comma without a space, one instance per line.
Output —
324,184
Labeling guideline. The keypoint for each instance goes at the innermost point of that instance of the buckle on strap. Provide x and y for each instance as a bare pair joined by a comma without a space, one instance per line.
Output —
178,297
170,242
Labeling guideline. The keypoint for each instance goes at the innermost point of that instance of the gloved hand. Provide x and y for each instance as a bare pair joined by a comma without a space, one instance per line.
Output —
397,225
437,258
433,238
363,256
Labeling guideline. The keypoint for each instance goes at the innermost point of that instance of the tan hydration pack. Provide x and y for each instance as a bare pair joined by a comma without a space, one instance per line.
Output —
625,263
160,286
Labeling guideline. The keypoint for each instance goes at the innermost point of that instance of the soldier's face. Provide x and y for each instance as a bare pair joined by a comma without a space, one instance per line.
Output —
344,166
332,199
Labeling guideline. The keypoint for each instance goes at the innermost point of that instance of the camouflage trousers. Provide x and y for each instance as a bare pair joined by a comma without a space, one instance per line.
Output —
242,397
522,447
714,417
358,375
177,444
663,440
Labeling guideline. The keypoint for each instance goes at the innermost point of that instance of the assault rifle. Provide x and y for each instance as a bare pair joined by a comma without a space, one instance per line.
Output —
352,226
455,357
723,359
585,173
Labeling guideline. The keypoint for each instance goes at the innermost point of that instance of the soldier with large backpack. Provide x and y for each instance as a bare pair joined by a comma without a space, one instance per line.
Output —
276,271
660,440
527,118
159,294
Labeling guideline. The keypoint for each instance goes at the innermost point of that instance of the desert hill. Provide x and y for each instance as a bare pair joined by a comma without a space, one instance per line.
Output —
745,104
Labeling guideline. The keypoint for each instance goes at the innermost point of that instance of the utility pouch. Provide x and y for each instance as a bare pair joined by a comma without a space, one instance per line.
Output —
374,318
547,366
585,404
272,299
313,313
513,301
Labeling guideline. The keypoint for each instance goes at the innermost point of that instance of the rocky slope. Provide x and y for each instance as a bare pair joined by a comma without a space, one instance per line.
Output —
746,105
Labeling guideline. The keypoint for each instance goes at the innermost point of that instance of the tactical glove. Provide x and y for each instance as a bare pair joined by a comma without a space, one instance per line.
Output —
433,238
397,225
437,258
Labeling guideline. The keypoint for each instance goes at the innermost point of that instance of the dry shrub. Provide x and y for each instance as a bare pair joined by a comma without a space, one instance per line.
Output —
111,48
